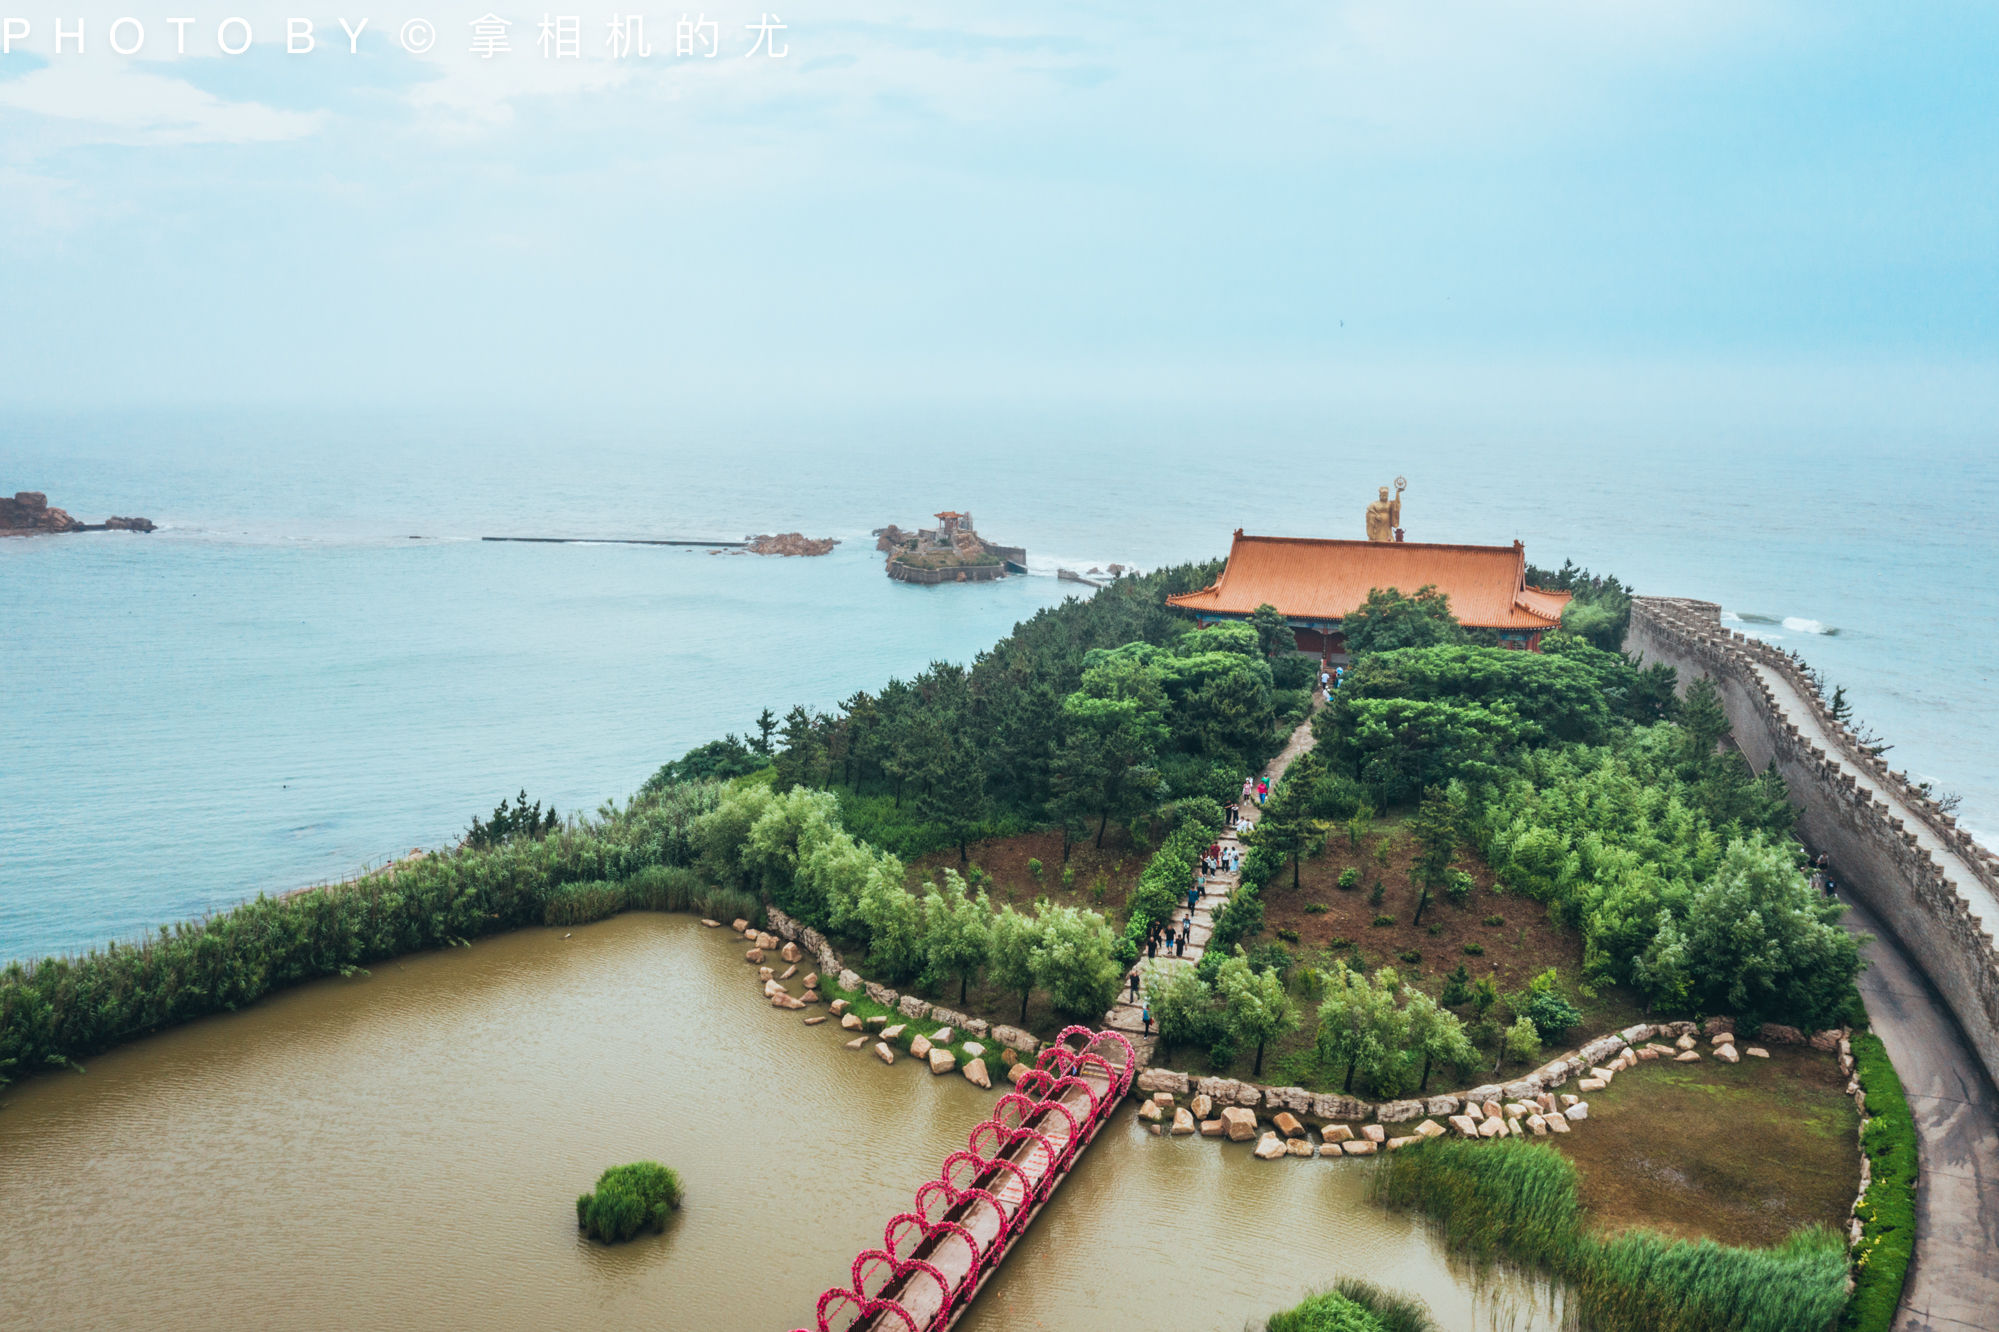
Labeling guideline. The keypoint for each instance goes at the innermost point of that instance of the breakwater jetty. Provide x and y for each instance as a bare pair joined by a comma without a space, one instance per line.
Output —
621,541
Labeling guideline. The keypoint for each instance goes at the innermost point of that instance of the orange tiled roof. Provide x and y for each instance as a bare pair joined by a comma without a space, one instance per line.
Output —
1312,579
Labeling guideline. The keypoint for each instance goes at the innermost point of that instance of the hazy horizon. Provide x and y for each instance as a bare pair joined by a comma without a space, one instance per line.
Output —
1623,211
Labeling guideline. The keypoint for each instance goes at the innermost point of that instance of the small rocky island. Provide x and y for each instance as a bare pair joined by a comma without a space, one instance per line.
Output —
789,543
29,514
951,552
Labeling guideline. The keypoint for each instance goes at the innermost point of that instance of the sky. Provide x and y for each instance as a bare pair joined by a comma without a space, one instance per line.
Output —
1783,204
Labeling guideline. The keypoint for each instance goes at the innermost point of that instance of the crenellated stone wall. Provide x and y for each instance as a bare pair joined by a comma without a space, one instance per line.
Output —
1891,847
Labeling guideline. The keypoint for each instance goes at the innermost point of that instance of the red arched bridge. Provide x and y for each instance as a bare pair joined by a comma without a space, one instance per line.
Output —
935,1258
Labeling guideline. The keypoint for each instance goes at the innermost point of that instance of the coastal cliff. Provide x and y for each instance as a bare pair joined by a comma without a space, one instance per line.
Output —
28,514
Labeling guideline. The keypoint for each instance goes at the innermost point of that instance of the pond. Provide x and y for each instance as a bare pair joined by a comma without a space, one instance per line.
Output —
403,1150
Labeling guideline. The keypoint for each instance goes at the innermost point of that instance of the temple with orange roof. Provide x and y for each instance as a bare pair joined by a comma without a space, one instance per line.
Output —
1316,583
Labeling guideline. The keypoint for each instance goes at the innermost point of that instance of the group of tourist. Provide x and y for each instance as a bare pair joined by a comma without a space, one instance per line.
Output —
1169,937
1172,937
1331,680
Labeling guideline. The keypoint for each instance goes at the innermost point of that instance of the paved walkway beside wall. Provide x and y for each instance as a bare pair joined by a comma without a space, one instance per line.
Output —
1978,898
1954,1280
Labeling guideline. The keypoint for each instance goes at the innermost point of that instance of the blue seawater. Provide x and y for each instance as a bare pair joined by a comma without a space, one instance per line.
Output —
317,664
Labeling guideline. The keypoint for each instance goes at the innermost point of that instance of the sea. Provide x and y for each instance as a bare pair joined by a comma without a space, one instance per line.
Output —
317,663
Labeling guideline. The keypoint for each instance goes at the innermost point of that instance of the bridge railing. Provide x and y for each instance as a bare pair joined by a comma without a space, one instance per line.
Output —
934,1258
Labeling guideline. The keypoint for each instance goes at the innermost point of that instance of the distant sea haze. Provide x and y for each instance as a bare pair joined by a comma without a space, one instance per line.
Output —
282,686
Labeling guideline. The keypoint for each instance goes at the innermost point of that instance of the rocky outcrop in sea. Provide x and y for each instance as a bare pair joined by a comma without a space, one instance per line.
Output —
789,543
28,514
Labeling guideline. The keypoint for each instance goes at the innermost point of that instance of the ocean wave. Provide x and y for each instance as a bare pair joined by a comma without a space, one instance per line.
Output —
1798,625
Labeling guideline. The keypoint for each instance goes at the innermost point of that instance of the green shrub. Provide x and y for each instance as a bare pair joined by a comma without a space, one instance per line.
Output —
1398,1313
1315,908
1409,957
1162,884
1552,1015
1475,949
1888,1209
1350,878
1523,1041
1328,1311
1288,935
1457,886
1495,920
628,1199
1376,893
1379,921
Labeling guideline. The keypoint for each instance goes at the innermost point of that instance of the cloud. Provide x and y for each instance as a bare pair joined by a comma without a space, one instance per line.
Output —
111,100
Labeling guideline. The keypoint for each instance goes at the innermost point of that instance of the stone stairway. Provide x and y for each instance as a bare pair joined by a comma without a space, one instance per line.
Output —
1128,1016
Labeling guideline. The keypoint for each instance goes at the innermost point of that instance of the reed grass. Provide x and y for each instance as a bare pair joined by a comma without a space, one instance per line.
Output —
628,1199
58,1009
1353,1305
1517,1200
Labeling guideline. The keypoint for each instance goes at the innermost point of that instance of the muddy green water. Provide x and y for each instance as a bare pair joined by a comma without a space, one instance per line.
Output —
402,1151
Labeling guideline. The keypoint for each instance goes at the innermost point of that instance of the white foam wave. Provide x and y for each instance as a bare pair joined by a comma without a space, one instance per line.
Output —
1798,625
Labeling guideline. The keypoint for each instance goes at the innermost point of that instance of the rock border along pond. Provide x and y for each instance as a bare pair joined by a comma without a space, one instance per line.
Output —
1225,1108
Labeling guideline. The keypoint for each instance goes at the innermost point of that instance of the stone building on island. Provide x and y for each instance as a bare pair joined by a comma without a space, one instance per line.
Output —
1316,583
951,552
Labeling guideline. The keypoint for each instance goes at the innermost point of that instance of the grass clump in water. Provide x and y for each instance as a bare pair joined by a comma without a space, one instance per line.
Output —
1518,1200
1353,1305
627,1200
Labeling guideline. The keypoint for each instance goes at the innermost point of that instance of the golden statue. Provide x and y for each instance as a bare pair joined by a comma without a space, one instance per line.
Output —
1385,514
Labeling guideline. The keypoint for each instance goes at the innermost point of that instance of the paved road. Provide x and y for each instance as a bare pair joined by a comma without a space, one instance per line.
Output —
1954,1280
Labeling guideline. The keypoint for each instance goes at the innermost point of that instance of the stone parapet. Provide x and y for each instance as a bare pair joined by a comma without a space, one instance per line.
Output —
1892,847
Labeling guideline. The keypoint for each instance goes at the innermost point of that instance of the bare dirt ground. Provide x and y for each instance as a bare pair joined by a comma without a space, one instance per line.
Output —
1740,1153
